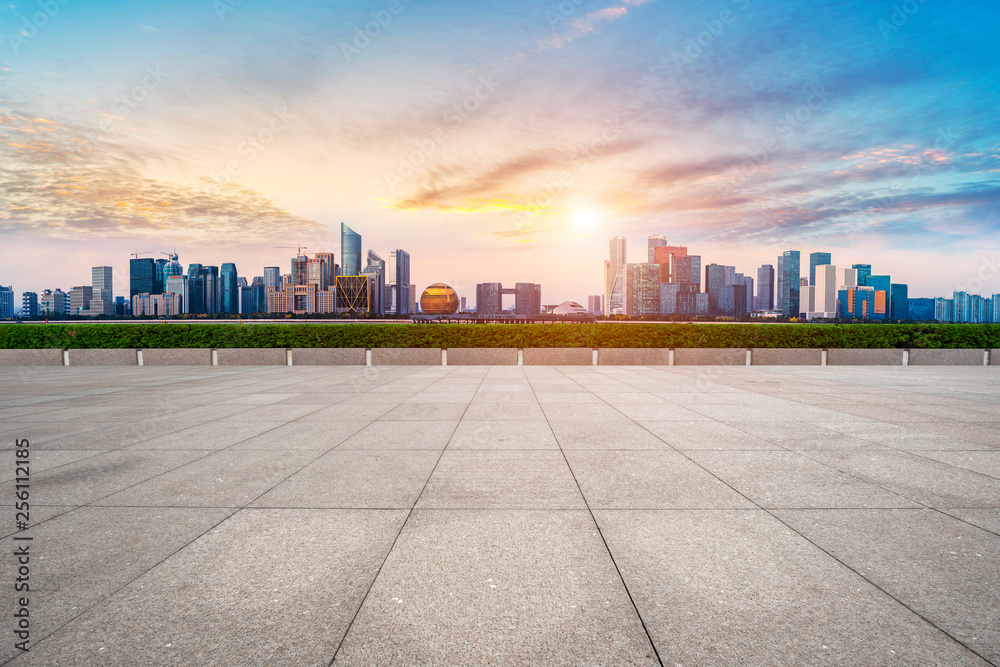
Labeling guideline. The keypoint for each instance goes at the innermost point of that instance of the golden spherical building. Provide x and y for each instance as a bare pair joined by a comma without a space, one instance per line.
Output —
439,299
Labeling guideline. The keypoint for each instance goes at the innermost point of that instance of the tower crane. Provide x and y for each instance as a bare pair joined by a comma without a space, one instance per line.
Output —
299,248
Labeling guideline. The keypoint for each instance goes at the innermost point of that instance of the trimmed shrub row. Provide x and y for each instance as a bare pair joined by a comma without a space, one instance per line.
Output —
179,335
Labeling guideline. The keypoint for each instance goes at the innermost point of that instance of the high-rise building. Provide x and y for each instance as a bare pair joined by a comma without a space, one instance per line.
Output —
53,303
747,282
350,250
943,310
881,284
213,291
413,298
156,305
171,268
253,297
864,271
272,276
354,294
102,282
655,241
715,280
29,304
142,276
825,291
686,269
229,290
300,266
196,290
178,285
899,301
489,298
847,278
642,289
614,276
666,256
398,280
6,302
668,298
779,283
527,299
765,287
920,310
817,259
158,278
79,298
790,306
595,304
376,269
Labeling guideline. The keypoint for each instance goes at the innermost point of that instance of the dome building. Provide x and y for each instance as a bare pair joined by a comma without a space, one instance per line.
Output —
439,299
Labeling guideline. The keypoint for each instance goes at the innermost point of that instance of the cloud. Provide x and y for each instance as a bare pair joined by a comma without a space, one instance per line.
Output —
55,180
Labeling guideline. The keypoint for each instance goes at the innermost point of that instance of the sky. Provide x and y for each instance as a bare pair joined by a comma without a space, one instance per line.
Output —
503,141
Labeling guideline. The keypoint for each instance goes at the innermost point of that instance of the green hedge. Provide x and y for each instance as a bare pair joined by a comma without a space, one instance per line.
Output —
173,334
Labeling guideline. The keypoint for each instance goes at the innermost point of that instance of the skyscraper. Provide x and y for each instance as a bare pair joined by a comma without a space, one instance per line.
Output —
527,299
142,276
765,287
212,289
102,282
399,282
790,276
178,285
350,251
817,259
196,290
376,269
6,302
655,241
666,256
272,276
29,304
864,272
899,302
715,280
614,276
229,289
595,304
489,298
642,289
686,269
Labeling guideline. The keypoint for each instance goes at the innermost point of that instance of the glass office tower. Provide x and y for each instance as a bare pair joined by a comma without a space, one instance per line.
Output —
790,275
864,272
229,288
350,251
817,259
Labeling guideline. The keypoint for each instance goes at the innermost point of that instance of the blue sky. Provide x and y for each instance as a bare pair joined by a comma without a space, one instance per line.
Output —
506,141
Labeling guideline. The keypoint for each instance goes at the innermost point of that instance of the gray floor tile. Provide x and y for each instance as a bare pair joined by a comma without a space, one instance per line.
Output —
648,480
354,478
222,479
706,435
402,435
738,587
503,435
498,587
275,587
787,479
501,479
603,434
82,557
942,568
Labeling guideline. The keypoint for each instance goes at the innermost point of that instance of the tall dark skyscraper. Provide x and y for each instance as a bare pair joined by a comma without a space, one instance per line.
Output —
817,259
790,276
687,269
765,287
196,290
350,251
864,273
159,279
398,282
141,276
715,280
229,289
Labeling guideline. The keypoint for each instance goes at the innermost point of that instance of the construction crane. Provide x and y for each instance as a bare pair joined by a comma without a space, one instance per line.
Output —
172,255
144,252
299,248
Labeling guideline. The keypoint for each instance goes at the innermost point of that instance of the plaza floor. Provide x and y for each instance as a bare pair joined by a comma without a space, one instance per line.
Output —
505,515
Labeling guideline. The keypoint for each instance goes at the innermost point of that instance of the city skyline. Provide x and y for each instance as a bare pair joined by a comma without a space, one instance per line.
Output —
502,144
